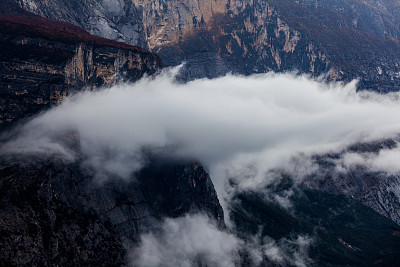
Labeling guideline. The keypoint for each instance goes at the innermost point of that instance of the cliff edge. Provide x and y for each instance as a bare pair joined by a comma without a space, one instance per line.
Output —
42,61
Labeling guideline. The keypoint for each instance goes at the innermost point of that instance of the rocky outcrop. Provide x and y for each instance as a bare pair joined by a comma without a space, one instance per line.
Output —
212,37
43,61
384,197
360,38
343,39
54,213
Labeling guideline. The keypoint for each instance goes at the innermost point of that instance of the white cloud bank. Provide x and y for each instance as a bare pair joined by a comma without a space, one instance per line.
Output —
230,124
194,240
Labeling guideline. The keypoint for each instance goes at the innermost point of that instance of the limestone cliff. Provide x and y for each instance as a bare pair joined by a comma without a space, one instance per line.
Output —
42,61
343,39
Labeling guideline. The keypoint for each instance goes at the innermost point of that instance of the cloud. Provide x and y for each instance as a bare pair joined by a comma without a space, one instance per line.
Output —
283,252
238,127
385,160
185,241
195,239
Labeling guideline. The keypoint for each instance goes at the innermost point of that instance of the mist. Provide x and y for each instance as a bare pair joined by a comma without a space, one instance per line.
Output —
386,160
185,241
195,240
235,126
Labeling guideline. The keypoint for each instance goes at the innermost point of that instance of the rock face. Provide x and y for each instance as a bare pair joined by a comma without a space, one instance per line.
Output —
375,189
42,61
378,191
53,213
175,189
344,39
384,197
344,232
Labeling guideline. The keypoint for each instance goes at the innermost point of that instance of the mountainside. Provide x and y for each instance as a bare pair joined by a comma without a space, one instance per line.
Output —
333,229
54,213
345,39
123,179
375,189
42,61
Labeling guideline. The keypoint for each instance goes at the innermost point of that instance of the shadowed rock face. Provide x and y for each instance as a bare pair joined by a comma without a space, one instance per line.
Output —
43,61
53,213
176,189
346,39
341,230
375,189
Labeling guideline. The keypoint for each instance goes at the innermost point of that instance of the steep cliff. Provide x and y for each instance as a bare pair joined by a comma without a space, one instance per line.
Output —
42,61
53,213
345,39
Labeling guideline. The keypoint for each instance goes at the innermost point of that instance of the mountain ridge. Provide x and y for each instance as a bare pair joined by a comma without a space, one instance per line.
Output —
252,36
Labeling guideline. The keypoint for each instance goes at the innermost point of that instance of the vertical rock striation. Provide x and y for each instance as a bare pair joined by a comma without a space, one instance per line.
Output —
42,61
341,39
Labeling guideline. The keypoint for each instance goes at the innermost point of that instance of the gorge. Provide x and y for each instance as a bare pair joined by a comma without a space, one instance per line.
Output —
274,143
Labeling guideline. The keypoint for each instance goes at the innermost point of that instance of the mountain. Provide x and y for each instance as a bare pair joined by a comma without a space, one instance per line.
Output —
54,213
376,189
42,61
340,231
343,39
